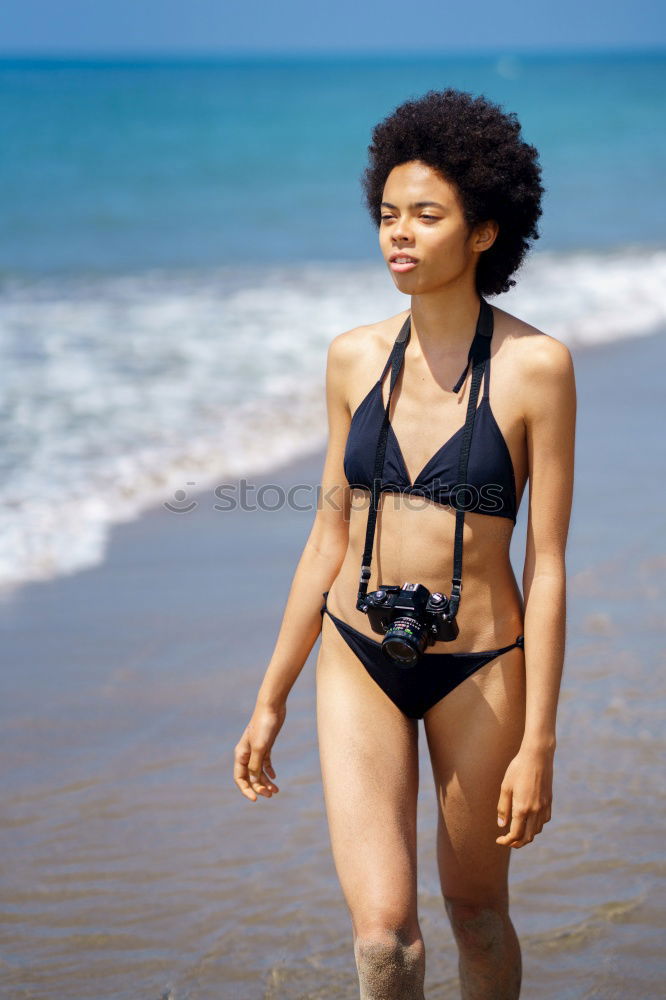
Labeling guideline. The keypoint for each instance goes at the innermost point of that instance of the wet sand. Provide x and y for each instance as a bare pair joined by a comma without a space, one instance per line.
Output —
133,868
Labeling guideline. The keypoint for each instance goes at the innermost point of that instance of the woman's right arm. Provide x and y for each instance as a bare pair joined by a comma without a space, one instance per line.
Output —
317,568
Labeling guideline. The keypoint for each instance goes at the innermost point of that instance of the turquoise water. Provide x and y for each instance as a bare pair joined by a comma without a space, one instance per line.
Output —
182,239
126,165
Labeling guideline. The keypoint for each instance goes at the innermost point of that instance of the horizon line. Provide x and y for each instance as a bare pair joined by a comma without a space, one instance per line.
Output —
155,55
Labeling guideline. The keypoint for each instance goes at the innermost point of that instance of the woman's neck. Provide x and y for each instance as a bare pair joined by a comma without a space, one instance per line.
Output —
444,322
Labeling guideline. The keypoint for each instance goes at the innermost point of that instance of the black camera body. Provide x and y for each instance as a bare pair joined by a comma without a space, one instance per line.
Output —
410,618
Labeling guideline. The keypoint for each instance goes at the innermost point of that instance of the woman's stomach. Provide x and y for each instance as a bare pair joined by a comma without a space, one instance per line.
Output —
414,543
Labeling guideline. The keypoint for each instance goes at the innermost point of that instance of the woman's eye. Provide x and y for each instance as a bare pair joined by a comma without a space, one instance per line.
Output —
430,218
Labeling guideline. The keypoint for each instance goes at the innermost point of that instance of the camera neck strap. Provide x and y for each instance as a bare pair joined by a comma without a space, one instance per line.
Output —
479,352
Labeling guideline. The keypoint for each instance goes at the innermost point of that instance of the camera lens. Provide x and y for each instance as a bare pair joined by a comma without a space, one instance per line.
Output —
405,640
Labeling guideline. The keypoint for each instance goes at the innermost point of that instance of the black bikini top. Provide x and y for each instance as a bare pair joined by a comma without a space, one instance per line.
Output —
491,484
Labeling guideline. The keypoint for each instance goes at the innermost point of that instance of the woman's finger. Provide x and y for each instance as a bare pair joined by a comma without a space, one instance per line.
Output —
266,782
504,806
261,783
270,776
269,784
529,831
516,830
245,788
256,762
241,778
261,770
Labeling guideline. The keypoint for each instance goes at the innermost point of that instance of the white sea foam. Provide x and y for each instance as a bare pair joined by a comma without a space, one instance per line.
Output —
118,391
589,298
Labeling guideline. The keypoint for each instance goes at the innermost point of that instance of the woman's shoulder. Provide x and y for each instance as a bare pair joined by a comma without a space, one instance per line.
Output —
540,369
531,352
367,346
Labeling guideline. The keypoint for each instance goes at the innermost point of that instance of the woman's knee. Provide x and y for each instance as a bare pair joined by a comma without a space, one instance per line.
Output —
478,922
390,960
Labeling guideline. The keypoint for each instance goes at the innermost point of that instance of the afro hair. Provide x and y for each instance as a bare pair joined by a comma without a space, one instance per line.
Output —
477,147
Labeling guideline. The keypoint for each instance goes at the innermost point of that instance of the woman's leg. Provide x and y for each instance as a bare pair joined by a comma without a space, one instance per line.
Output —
472,735
369,762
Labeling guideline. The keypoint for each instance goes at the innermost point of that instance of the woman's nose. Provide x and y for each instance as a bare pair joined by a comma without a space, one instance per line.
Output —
402,231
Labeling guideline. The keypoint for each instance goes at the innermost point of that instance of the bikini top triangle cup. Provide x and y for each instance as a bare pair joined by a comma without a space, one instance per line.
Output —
490,486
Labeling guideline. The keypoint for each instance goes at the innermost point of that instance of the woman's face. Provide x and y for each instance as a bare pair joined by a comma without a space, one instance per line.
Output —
422,217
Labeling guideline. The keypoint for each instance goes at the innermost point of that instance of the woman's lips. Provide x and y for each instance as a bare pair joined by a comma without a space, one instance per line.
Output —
396,265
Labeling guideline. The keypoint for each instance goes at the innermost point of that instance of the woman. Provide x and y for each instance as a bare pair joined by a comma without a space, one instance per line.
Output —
456,195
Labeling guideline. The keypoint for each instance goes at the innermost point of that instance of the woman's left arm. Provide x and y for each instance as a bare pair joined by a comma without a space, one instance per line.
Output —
550,424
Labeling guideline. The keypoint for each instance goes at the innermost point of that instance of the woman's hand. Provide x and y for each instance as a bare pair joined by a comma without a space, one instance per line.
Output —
253,771
525,797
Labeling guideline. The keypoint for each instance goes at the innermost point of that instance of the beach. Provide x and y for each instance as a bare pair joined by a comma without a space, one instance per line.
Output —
133,867
182,238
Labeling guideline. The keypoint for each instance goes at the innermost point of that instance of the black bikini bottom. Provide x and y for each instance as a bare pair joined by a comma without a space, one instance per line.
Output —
414,689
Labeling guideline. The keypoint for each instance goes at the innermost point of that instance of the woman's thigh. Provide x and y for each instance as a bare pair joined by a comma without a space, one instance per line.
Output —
472,736
369,762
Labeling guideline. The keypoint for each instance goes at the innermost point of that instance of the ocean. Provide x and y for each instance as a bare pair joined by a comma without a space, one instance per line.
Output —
181,239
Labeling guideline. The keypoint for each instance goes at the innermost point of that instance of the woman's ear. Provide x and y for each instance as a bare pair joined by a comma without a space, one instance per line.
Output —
485,235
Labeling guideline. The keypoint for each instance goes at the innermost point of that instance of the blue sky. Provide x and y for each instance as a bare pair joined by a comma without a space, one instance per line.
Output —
211,26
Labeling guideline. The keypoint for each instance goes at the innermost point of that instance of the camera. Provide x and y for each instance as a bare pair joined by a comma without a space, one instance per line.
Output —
410,618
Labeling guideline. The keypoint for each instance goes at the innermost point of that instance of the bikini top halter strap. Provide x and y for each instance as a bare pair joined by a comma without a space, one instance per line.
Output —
459,384
478,357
